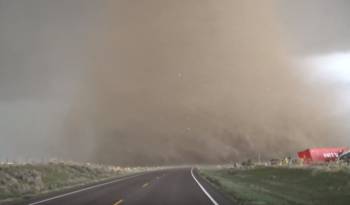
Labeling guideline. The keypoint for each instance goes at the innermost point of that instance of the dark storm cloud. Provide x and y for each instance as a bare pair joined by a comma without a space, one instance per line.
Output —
156,82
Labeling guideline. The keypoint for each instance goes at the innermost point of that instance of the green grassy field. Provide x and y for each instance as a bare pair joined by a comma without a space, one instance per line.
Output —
23,181
279,186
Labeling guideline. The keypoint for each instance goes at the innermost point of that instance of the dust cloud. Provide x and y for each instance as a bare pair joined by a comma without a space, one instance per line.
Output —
156,82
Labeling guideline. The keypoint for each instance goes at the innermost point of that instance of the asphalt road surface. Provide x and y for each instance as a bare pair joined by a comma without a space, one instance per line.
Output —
166,187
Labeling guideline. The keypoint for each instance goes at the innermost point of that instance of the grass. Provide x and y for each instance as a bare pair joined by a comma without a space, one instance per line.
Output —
282,185
23,181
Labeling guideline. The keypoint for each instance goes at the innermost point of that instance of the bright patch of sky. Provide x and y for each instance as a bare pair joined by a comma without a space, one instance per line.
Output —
334,67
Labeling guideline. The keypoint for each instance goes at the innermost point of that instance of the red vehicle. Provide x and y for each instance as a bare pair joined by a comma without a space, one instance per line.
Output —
322,154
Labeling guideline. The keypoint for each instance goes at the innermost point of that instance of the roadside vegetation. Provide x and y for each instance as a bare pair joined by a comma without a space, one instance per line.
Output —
18,181
280,185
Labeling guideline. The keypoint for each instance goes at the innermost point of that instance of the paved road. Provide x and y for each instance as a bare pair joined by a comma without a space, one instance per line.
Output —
166,187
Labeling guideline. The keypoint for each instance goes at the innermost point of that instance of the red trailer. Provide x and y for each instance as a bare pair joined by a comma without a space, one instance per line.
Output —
321,154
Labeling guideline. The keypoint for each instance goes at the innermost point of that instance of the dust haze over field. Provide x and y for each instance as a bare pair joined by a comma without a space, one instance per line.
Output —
163,82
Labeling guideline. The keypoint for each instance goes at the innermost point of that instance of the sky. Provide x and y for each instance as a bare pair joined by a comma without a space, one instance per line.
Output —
172,82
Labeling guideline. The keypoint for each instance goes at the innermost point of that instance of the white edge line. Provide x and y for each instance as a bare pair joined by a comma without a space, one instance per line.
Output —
85,189
203,189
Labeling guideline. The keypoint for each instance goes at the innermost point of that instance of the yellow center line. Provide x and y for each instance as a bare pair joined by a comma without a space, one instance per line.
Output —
145,185
118,202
